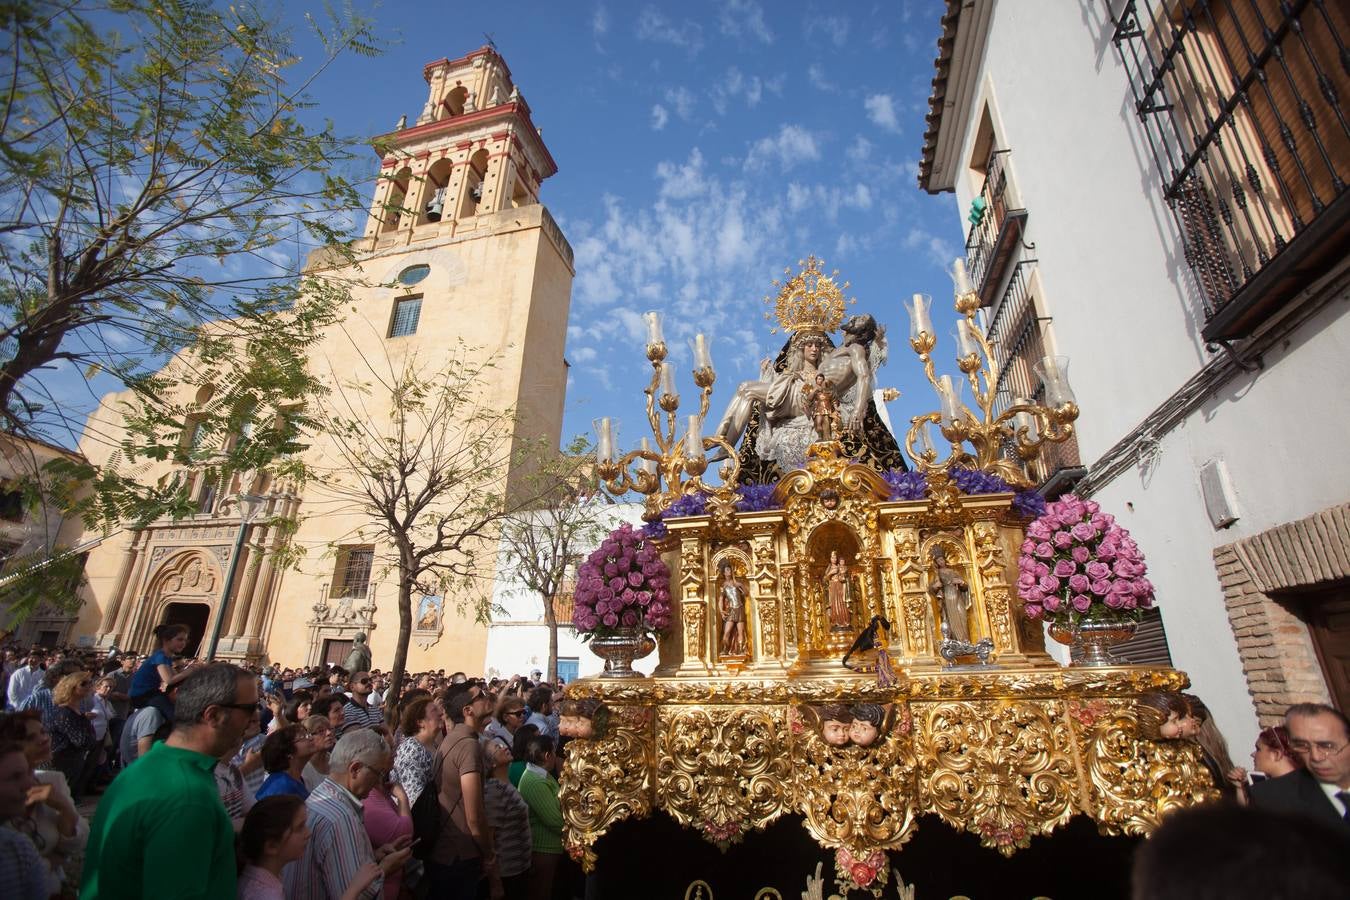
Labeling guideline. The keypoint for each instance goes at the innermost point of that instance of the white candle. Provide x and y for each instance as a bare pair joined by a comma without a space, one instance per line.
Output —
647,465
702,358
949,393
653,320
919,322
604,440
965,337
693,439
668,379
960,277
922,441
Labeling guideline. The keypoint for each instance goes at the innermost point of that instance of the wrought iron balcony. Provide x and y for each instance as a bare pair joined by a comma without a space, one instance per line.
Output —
1243,109
991,242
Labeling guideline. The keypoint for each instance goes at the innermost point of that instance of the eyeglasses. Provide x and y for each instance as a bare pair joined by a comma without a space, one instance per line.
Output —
1317,749
242,707
516,712
363,681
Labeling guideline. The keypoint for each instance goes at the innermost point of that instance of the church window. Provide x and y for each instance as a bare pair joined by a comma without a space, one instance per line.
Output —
352,576
413,274
407,312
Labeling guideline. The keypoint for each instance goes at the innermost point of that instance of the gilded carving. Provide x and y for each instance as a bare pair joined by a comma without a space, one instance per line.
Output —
722,770
1003,770
605,781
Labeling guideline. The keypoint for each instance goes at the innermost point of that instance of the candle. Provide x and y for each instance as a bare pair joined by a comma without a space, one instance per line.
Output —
668,380
960,276
693,439
646,465
965,337
1025,419
702,358
653,320
922,441
604,439
949,393
1054,374
919,323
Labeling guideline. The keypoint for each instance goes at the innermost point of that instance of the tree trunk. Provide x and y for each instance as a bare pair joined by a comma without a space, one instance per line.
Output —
401,647
551,620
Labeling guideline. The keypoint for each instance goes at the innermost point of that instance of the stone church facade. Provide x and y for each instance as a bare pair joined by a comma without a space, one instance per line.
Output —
474,259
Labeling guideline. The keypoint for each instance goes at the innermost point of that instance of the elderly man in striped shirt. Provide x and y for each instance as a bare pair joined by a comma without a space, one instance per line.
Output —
339,847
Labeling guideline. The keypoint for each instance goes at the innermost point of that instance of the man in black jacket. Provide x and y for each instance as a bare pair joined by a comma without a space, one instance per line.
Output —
1320,737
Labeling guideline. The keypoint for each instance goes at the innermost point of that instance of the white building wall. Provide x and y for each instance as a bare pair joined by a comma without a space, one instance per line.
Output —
518,639
1126,311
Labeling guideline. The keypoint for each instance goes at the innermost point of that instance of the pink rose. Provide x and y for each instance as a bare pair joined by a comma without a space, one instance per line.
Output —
1083,532
1081,602
630,618
611,620
1079,584
1041,569
1063,540
1049,584
1143,588
1098,570
1034,610
1038,531
1026,579
1080,554
1051,602
617,585
1101,587
1044,550
1115,601
862,874
1063,568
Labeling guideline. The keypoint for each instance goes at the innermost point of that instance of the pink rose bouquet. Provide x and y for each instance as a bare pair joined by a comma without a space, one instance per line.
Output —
1077,563
623,584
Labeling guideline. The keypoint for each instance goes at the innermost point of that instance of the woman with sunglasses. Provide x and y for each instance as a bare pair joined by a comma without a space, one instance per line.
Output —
509,716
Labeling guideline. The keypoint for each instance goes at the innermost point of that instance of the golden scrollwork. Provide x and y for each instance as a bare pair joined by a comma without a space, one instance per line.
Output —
857,798
999,769
1133,783
722,769
608,782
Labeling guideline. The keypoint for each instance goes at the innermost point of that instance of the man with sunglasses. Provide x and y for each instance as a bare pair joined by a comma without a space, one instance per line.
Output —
358,711
1319,736
161,830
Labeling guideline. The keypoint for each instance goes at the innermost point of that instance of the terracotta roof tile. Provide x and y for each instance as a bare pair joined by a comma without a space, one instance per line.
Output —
946,42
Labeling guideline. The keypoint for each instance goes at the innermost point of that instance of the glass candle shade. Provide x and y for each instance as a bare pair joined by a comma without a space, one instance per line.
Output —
702,355
653,322
919,320
693,439
1054,374
960,278
646,465
605,430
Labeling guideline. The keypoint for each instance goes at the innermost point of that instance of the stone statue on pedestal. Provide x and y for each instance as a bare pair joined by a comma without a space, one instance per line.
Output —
359,658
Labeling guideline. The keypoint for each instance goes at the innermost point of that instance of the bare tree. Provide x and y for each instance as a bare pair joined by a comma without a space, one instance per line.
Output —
426,461
540,545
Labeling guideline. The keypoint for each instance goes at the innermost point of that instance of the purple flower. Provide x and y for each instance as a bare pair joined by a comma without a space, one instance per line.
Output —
1098,570
1039,530
687,505
635,578
755,497
1080,554
630,618
1062,540
1101,588
1079,584
1033,610
906,485
611,620
1081,602
1083,532
973,481
1049,584
655,530
1051,602
1064,568
1029,503
1115,601
1044,550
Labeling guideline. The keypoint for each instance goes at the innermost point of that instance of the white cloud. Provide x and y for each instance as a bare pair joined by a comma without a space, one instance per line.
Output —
739,17
858,198
860,151
659,117
655,27
583,355
680,182
939,251
736,84
881,110
600,21
834,28
815,73
792,145
683,100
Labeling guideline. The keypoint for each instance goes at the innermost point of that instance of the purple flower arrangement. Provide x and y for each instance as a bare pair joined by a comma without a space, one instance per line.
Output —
689,505
906,485
1077,563
755,497
623,584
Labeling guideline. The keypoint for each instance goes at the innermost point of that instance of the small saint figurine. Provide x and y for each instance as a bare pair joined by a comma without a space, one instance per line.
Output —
836,589
949,587
731,595
823,407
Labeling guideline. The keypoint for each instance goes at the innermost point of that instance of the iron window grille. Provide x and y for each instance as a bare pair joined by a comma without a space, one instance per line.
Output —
353,575
1242,108
991,241
407,312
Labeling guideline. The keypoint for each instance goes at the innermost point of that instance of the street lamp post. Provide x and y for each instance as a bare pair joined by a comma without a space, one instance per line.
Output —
249,507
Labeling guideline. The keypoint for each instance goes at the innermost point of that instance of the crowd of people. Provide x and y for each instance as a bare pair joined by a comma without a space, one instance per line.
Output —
309,784
215,780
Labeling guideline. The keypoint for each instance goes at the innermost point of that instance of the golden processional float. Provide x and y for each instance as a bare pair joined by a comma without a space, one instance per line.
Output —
840,655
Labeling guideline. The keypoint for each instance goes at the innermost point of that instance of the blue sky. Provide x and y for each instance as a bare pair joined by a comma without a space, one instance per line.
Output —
702,147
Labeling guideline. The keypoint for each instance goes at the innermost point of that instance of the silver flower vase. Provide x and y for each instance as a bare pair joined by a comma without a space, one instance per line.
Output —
619,648
1090,640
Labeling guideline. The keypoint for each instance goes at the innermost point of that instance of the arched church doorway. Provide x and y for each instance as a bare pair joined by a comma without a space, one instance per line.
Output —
194,616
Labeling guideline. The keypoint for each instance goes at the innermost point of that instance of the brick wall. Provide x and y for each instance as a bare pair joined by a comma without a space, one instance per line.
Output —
1273,642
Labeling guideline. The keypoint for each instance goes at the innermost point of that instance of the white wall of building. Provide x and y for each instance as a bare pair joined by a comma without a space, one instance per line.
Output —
518,639
1126,312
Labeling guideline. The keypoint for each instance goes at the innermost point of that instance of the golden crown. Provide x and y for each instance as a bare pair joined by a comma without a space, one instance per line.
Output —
809,301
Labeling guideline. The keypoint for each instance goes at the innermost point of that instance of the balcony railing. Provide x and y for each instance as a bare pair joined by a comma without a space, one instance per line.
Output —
990,244
1242,105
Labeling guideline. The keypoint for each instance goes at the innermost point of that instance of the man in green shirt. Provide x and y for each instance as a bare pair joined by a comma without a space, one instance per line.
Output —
161,829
